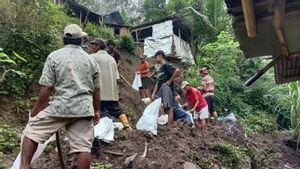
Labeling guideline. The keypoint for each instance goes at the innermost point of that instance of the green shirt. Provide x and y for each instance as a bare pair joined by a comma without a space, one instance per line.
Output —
74,75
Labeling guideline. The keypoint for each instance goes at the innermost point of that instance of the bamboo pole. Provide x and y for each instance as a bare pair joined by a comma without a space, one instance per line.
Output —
258,74
249,16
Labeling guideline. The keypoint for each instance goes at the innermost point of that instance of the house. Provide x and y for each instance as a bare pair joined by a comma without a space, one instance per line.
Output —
113,20
169,34
271,28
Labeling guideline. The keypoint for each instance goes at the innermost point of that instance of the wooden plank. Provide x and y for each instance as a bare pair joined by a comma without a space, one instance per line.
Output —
249,15
279,12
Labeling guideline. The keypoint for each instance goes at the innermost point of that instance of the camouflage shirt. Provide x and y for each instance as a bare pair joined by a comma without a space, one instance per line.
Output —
74,75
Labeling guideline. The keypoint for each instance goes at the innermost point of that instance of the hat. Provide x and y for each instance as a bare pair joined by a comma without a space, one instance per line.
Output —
73,31
97,41
184,84
110,42
203,70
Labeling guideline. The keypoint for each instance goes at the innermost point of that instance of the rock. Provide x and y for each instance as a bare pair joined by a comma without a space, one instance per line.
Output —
189,165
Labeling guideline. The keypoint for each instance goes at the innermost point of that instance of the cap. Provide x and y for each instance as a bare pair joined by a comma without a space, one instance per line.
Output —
184,84
73,31
110,42
203,70
97,41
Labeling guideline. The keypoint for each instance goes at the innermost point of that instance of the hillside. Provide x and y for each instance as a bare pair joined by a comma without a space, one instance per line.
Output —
215,148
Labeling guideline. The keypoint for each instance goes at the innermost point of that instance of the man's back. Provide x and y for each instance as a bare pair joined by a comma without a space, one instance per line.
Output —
208,85
109,76
73,74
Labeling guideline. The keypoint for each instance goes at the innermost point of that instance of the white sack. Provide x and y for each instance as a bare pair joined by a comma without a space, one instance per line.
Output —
104,130
37,154
118,125
137,82
231,117
163,119
148,121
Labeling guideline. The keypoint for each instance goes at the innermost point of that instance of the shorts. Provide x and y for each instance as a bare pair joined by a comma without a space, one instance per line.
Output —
80,131
110,109
202,114
145,83
211,103
167,97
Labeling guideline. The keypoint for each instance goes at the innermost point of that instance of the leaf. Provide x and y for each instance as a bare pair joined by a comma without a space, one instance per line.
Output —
19,57
7,61
18,72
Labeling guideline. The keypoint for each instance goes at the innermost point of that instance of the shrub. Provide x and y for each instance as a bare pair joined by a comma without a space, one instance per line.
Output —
99,32
9,139
259,122
127,42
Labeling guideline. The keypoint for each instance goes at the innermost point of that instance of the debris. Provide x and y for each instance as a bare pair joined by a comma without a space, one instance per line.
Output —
146,150
129,160
114,153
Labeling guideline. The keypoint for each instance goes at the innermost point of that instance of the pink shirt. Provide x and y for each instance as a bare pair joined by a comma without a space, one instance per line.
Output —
208,85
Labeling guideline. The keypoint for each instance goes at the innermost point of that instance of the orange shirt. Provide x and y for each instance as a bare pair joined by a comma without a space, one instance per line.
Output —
144,69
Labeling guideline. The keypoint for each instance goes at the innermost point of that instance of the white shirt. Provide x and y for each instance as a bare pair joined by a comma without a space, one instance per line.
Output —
109,75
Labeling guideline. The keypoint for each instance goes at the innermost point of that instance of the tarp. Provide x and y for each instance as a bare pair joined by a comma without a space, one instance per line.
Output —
162,39
183,50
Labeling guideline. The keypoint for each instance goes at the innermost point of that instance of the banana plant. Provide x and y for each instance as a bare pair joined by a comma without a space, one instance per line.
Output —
6,63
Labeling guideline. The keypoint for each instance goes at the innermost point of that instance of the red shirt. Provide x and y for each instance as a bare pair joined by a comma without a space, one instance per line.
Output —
193,95
143,68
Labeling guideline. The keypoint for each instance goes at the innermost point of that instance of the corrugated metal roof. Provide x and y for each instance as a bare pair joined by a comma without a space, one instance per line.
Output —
288,69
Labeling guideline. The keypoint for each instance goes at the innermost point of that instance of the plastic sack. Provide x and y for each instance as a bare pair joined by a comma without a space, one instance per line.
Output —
163,119
146,100
37,154
231,117
118,125
137,82
104,130
191,116
148,121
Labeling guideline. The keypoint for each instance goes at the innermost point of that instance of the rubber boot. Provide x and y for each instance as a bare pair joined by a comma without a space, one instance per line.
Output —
125,122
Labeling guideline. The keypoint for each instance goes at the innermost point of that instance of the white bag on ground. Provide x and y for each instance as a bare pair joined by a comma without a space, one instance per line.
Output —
137,82
163,119
104,130
231,117
118,125
39,151
148,121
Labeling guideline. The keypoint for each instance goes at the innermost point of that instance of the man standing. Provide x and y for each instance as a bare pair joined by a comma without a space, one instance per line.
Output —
144,72
198,103
73,76
208,88
109,89
164,87
113,52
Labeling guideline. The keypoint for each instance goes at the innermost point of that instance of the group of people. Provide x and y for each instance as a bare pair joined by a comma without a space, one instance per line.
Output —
200,100
84,84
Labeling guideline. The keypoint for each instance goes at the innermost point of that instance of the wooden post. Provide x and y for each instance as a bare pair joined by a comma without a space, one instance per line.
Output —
249,16
279,11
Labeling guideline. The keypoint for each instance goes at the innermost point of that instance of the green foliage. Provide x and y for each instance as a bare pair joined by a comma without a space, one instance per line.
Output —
34,31
230,155
127,42
99,32
229,69
101,166
9,139
125,16
8,64
259,122
154,9
294,97
202,163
